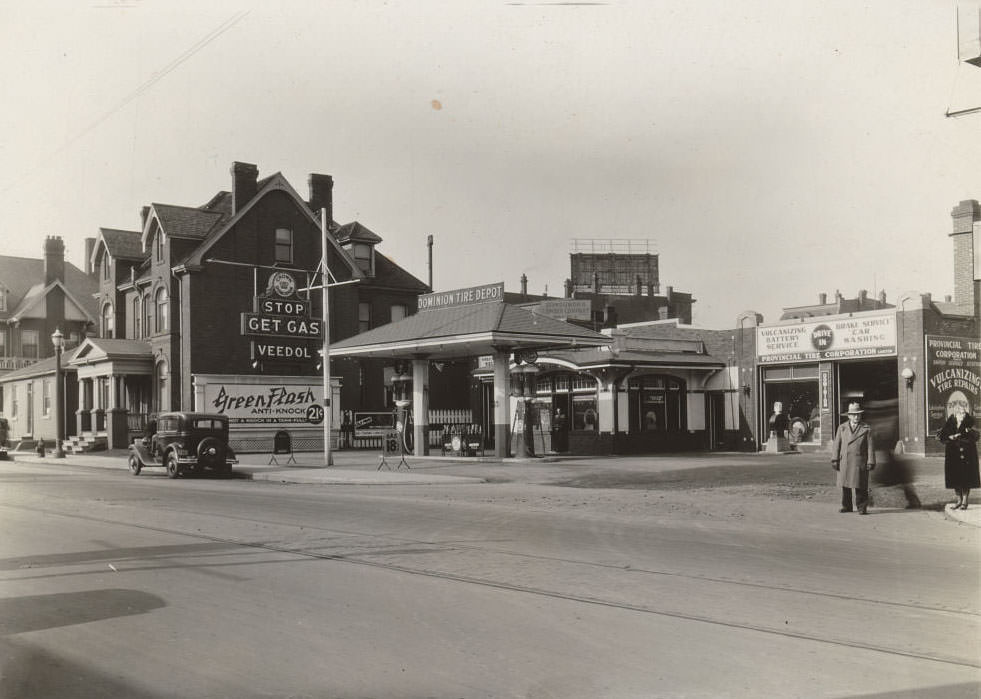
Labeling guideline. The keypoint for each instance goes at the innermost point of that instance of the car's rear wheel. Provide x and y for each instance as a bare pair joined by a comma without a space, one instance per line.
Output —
135,465
173,468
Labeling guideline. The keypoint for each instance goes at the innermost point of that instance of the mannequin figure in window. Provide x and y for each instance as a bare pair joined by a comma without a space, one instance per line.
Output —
778,421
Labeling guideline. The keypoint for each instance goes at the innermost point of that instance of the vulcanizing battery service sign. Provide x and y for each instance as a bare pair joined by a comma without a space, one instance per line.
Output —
837,337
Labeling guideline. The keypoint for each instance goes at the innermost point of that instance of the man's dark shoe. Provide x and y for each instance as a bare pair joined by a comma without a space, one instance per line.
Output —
845,509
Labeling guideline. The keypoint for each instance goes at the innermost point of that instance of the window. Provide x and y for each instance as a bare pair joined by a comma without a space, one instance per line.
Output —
28,344
399,311
107,321
106,267
3,342
145,303
162,322
73,339
3,299
13,401
46,396
284,245
362,256
137,325
159,240
364,317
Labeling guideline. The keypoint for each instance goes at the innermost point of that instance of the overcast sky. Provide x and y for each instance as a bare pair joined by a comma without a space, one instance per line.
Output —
771,149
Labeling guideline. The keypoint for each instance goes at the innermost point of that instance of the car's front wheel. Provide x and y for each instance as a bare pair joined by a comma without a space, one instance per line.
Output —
173,468
135,465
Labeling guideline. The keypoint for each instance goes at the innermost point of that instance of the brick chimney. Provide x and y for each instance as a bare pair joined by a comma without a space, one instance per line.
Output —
89,247
321,194
244,178
524,284
882,297
823,298
54,259
965,216
568,288
863,296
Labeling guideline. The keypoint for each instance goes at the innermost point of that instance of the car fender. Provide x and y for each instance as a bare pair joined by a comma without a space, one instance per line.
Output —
143,454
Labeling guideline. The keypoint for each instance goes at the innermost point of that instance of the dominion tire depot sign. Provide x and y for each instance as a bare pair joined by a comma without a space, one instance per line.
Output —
953,367
851,337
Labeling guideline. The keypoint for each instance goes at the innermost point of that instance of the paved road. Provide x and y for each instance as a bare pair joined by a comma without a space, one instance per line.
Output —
745,586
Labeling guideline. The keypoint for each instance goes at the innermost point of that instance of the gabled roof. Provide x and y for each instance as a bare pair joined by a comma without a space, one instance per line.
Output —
23,275
122,245
38,292
354,231
467,331
95,349
387,273
225,223
183,221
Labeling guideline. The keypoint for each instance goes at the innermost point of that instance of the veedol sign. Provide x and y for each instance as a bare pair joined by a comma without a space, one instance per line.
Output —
832,338
279,314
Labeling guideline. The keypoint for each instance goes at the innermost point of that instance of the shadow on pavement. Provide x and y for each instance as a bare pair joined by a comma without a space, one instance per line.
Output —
36,612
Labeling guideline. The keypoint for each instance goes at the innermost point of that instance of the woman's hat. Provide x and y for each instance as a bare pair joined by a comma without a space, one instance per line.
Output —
854,409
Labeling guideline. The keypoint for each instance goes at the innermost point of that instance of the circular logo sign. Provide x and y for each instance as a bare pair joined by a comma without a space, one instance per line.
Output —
283,284
822,337
315,414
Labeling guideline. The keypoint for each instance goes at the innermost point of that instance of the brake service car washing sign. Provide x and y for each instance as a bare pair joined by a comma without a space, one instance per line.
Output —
835,337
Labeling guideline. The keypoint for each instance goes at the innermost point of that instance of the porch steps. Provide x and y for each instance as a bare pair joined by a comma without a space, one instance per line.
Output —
85,443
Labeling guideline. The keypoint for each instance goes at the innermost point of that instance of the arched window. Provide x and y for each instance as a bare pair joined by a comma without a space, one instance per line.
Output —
107,321
137,318
145,303
163,322
161,395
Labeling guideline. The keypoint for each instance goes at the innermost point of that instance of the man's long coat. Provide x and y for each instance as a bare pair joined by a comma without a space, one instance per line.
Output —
853,451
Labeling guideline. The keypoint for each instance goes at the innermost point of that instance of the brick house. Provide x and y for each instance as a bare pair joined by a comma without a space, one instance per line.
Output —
211,308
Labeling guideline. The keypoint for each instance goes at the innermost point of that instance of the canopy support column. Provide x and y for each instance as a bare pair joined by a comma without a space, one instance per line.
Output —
502,442
420,406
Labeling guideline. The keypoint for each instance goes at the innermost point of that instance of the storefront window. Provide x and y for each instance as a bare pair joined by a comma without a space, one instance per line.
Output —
796,389
584,416
657,404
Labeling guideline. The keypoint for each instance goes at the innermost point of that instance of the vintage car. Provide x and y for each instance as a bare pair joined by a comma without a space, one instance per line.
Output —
184,442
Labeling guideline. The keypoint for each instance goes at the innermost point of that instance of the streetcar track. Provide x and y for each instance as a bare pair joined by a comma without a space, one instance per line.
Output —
542,592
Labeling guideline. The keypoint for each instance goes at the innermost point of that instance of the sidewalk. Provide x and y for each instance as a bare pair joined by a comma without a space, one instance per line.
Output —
362,468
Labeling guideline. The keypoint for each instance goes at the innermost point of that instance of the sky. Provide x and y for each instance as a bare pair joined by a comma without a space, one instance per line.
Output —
769,150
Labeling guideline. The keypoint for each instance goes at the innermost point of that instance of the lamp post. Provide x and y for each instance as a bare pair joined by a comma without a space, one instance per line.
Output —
58,340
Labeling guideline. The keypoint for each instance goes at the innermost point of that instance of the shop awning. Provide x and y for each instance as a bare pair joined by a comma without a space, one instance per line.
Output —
468,331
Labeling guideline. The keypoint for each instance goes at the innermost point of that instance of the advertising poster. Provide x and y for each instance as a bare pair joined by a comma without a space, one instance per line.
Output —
269,404
953,366
830,338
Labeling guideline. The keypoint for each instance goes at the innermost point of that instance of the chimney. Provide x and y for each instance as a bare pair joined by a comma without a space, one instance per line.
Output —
837,295
568,288
524,285
948,298
966,216
54,259
882,297
244,177
596,283
322,194
863,295
669,293
822,298
611,317
89,247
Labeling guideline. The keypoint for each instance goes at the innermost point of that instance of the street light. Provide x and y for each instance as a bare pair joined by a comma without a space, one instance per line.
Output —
58,340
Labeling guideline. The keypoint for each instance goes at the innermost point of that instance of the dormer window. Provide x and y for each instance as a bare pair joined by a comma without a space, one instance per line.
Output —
3,299
284,245
364,256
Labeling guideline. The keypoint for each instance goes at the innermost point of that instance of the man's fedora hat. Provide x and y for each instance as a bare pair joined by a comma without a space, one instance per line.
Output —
854,409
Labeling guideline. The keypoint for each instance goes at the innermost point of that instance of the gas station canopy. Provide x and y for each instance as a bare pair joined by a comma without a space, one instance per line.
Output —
467,330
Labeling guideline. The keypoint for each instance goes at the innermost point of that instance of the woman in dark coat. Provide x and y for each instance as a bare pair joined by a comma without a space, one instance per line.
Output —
960,437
